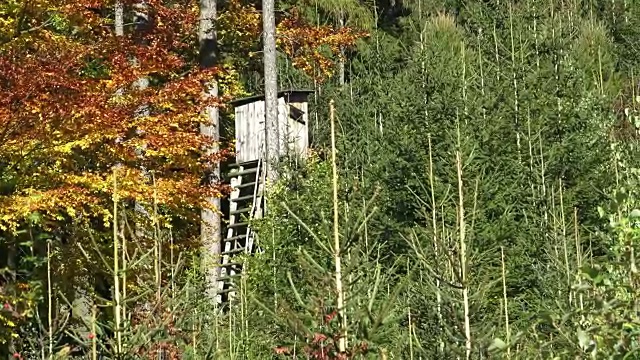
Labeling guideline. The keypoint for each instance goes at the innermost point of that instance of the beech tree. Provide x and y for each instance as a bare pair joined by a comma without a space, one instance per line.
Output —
66,126
272,136
211,220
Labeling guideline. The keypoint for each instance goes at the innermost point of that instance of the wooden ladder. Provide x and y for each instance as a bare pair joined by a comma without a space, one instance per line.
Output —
245,204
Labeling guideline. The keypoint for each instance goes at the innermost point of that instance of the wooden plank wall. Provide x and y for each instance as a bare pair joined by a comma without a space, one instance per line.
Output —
283,125
250,122
249,130
299,132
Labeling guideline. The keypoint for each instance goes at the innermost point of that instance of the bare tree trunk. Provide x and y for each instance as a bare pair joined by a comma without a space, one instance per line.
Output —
341,61
119,22
142,22
463,253
272,136
342,342
210,229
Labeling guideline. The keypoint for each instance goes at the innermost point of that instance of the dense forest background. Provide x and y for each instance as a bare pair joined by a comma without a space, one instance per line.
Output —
488,176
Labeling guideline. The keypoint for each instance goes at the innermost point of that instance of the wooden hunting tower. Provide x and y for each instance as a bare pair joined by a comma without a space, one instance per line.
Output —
248,173
293,120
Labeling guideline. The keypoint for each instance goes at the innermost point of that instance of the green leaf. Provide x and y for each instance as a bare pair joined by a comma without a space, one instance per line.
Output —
497,345
635,213
583,339
35,217
594,274
621,196
548,317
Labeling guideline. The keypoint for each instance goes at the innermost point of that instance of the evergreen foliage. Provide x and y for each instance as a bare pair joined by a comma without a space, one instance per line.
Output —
488,167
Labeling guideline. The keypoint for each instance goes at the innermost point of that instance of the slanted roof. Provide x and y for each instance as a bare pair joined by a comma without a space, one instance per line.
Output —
283,93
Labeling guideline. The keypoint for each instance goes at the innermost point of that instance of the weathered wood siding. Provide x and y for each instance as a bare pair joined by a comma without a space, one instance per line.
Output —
293,120
298,132
283,127
249,131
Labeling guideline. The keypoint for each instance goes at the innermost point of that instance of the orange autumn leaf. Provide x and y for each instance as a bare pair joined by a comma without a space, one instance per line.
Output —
312,47
64,124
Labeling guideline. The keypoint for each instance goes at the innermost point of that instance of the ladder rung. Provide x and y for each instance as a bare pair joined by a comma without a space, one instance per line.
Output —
242,186
242,198
234,238
240,211
232,174
230,264
229,277
234,251
245,163
238,224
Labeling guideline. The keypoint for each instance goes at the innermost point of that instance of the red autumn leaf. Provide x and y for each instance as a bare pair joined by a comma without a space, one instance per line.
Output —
318,338
282,350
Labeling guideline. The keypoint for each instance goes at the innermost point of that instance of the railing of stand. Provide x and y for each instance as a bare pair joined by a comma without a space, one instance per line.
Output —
256,189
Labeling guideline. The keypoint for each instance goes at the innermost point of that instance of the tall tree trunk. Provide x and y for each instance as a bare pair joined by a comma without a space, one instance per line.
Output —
119,21
142,22
341,61
210,228
272,136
